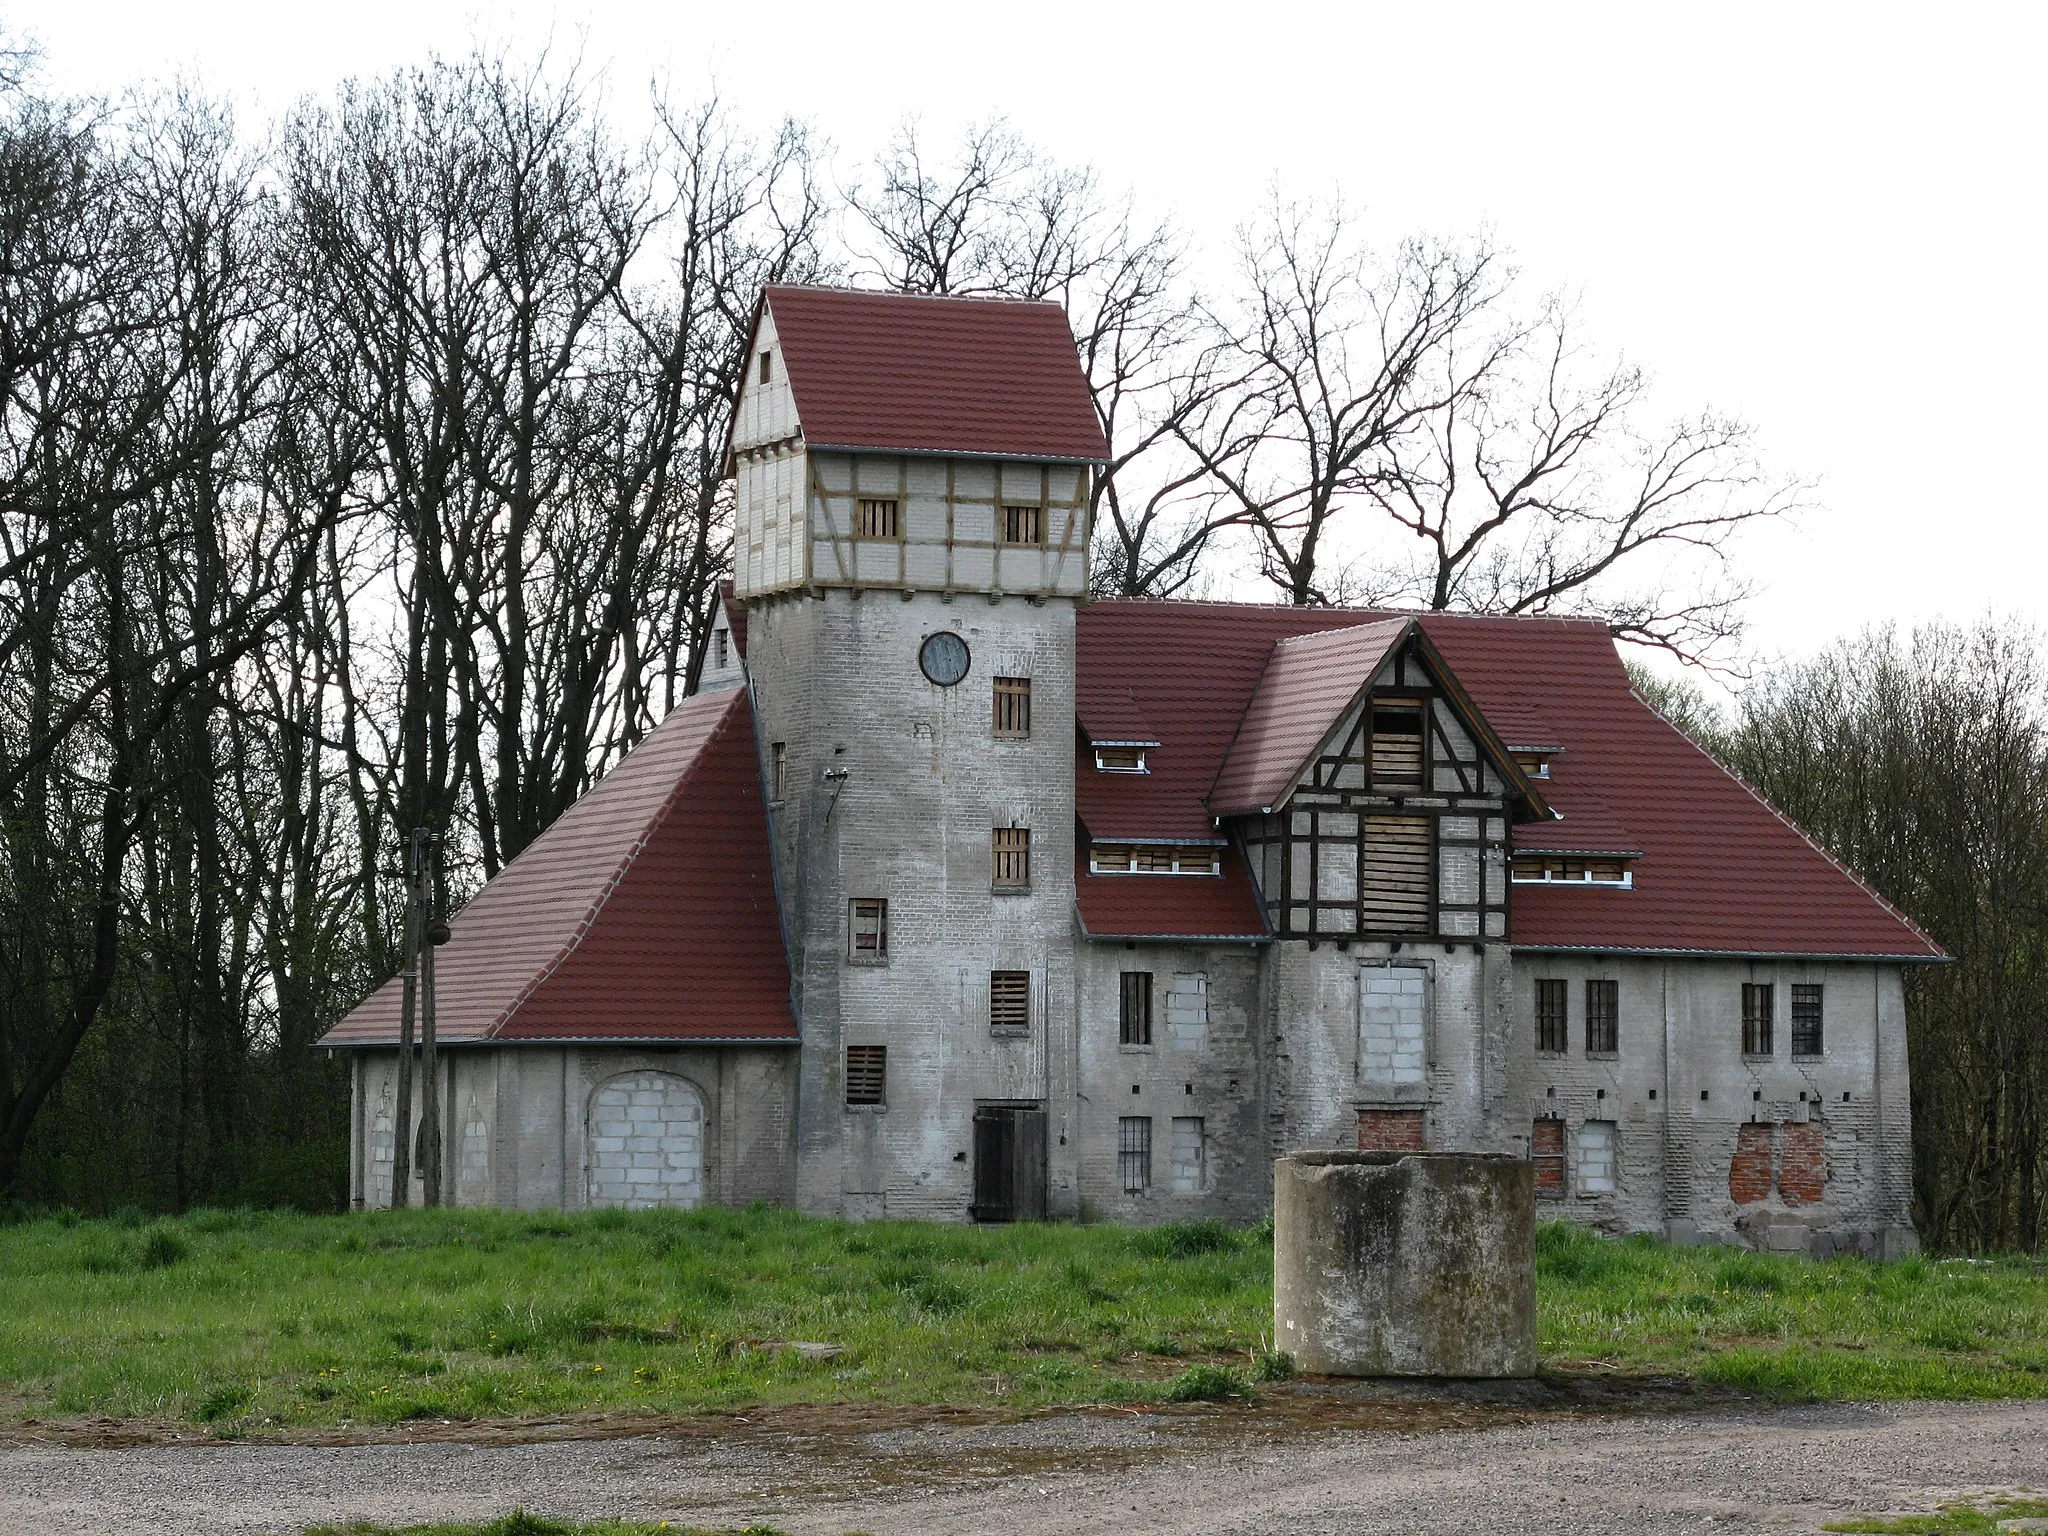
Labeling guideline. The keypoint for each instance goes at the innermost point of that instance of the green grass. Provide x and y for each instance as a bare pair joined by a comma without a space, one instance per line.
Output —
1952,1520
245,1320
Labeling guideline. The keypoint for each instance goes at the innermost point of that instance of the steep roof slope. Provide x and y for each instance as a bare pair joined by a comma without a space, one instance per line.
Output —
645,912
1718,870
912,373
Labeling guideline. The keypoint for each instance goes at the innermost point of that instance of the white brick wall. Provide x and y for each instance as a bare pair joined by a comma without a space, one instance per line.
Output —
1187,1011
1392,1013
1187,1155
646,1142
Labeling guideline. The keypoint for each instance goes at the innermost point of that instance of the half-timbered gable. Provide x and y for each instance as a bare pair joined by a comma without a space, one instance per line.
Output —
1395,823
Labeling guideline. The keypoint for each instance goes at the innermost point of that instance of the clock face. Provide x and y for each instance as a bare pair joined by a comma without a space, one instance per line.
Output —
944,658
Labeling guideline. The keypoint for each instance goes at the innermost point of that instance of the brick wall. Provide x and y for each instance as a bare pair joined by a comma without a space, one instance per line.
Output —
1390,1130
1749,1172
1546,1151
1802,1165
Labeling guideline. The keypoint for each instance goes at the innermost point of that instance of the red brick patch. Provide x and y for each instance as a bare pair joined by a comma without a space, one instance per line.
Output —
1546,1151
1749,1174
1802,1167
1390,1130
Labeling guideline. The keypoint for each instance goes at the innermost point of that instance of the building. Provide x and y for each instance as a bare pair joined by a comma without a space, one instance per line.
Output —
954,895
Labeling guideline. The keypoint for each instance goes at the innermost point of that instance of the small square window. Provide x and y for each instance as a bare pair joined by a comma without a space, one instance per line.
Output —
867,1069
1807,1038
1757,1010
1135,1009
1013,708
1603,1018
877,517
1134,1153
867,929
1023,525
1552,1031
1010,858
1009,1002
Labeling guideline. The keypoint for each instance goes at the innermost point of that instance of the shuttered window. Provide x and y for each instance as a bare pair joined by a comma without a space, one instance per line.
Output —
1552,1031
866,1069
1135,1009
1603,1018
877,517
1393,883
1757,1009
1013,707
1009,1002
1010,857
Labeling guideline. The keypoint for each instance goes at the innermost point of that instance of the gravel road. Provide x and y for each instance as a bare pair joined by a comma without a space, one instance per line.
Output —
1303,1468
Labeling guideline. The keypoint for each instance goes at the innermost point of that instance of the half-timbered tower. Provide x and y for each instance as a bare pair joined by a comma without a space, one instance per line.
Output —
956,895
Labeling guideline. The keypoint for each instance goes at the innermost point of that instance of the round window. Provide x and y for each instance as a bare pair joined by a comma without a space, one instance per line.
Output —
944,658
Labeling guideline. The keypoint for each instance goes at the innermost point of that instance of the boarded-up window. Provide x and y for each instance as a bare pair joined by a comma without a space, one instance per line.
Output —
1603,1018
877,517
1134,1153
1390,1130
1155,859
1802,1169
1010,857
866,1069
1806,1020
1757,1010
1596,1158
1135,1009
1393,882
1555,869
778,758
1188,1157
1009,1002
1749,1171
1546,1151
1023,525
1013,707
1187,1011
867,930
1552,1032
1396,741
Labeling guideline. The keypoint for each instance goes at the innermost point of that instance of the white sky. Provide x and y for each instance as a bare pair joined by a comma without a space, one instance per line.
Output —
1826,218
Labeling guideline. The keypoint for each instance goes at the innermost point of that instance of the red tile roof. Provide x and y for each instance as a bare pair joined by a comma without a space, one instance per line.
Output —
646,912
1308,684
1719,872
983,378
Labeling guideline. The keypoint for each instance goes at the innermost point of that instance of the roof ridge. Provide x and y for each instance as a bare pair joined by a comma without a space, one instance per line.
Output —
898,293
1803,835
626,861
1421,615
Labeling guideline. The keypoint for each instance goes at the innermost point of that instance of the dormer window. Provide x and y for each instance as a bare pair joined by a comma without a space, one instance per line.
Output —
1397,741
1122,757
1560,869
1535,764
1155,859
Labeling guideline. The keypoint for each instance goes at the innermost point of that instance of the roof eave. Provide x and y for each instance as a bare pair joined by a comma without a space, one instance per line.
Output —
954,453
1680,953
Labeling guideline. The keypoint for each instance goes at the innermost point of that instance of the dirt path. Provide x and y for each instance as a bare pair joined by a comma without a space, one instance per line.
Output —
1304,1463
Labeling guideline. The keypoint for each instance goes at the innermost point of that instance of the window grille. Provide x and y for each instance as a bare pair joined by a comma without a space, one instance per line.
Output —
1603,1017
1546,1151
1011,857
1806,1020
1023,525
868,930
778,761
1134,1153
1552,1032
1756,1018
1013,707
1009,1002
1396,741
1135,1009
866,1068
877,518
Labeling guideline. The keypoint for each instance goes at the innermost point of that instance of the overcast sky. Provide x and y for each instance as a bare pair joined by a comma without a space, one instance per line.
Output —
1826,218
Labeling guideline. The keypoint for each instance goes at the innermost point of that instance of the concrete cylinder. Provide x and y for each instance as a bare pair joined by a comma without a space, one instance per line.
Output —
1405,1263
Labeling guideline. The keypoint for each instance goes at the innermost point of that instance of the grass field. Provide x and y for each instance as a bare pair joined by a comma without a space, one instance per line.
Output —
244,1320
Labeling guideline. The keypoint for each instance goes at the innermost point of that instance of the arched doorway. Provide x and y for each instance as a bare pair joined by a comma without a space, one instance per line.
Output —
646,1134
